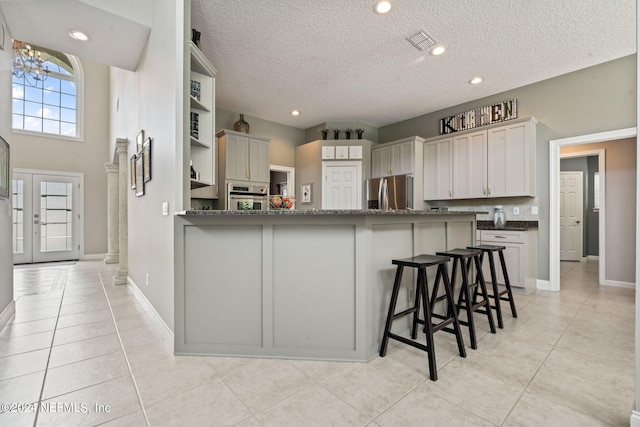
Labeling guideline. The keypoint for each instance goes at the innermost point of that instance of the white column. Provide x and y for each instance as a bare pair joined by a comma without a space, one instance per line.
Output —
123,230
113,226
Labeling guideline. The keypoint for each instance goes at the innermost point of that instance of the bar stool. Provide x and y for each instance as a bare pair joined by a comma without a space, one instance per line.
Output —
462,258
421,262
497,294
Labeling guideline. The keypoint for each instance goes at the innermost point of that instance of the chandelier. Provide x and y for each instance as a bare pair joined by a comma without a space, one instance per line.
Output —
27,63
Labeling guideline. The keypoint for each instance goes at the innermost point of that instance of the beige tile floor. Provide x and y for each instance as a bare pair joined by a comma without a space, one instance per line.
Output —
91,355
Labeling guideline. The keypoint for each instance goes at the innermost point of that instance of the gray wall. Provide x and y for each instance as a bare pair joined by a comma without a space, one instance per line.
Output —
593,218
87,156
284,138
153,101
596,99
590,218
620,189
6,252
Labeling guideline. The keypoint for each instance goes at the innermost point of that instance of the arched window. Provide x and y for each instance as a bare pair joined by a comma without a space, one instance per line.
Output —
47,88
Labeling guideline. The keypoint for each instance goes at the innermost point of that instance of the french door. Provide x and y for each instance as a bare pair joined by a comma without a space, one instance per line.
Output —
45,217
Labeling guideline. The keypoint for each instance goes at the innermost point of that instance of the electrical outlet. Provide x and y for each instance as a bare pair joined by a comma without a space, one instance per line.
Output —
147,280
516,210
534,210
165,208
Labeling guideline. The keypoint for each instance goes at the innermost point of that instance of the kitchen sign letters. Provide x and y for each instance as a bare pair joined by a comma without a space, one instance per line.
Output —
483,116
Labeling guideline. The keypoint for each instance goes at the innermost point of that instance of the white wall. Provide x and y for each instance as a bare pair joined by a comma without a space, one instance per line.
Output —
88,156
151,99
6,252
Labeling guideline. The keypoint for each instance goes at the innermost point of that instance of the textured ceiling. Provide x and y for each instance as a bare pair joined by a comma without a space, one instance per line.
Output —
336,60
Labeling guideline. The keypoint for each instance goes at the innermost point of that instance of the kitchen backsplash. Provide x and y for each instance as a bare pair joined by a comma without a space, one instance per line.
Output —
523,204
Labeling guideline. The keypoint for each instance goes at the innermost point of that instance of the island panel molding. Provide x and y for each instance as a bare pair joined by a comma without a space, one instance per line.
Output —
299,284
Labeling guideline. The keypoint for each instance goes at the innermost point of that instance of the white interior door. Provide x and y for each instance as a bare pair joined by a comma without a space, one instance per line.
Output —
45,217
342,185
571,215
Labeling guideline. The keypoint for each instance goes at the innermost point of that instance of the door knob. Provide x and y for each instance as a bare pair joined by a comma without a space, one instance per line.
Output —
578,222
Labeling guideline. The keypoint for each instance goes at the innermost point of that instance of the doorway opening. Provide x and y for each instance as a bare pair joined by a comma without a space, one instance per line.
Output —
554,197
282,180
47,217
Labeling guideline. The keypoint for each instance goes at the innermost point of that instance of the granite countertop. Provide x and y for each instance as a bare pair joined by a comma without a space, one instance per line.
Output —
331,212
510,225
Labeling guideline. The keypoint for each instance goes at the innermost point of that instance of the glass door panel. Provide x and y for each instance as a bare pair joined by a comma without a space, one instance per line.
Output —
45,213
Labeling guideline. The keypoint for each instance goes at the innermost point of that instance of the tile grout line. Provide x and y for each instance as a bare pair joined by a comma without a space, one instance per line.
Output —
124,352
547,357
53,337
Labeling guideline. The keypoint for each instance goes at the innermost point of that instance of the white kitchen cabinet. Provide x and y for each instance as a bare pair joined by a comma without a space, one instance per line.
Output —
243,157
510,161
494,162
202,153
469,165
438,170
393,158
520,256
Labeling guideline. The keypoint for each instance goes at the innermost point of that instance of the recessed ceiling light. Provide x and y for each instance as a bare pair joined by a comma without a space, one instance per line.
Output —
295,113
437,50
475,80
382,7
78,35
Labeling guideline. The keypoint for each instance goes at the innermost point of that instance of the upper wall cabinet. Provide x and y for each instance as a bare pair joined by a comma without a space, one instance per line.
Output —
202,119
243,157
494,162
395,158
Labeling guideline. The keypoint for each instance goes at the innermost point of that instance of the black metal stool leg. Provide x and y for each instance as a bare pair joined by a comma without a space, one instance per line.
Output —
507,284
392,308
483,288
496,290
416,304
431,354
442,269
469,303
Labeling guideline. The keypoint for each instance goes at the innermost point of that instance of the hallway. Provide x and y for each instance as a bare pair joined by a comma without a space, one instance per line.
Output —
91,354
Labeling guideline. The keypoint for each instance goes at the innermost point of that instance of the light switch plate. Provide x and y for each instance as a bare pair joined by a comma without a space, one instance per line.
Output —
534,210
165,208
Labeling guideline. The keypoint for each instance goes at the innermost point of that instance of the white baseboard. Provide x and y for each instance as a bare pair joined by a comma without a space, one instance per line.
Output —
618,284
635,419
93,257
543,285
163,328
593,257
7,314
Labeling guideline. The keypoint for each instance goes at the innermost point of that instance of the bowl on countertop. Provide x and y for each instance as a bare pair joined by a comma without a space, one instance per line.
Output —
280,202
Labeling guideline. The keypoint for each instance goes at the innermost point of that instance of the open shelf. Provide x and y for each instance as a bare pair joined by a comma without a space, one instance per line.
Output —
197,105
197,143
198,184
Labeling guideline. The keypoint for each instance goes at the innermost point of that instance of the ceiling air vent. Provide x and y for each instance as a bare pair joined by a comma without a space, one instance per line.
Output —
421,40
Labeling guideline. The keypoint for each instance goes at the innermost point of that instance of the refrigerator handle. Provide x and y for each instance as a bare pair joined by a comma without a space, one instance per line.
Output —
380,193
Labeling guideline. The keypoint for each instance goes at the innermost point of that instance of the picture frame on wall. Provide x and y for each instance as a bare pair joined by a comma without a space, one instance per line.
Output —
4,168
139,175
139,141
146,159
132,172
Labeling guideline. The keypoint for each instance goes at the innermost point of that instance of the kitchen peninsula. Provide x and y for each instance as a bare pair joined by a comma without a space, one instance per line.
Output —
299,284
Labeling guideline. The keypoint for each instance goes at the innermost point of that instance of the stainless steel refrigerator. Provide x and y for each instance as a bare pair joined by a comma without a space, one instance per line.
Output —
390,192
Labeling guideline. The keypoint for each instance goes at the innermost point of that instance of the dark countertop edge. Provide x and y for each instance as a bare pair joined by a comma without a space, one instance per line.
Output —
510,225
319,212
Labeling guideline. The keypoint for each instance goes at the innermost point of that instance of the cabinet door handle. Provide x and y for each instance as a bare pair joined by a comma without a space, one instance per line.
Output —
489,191
450,192
484,189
